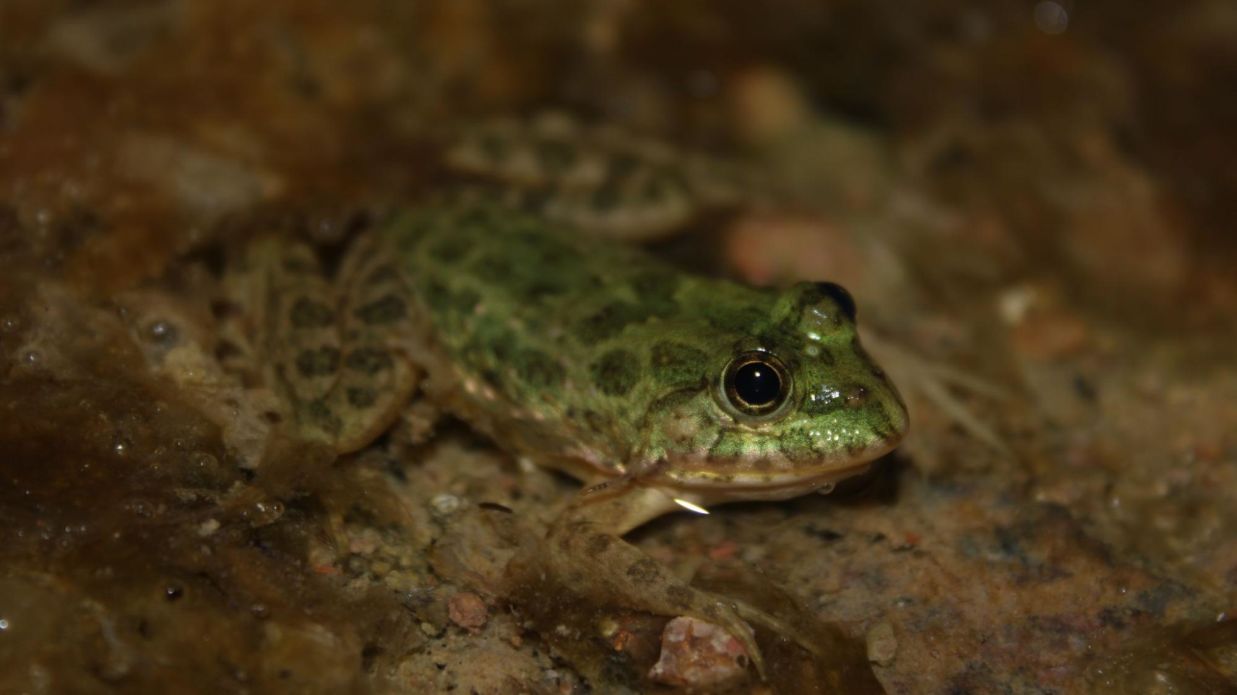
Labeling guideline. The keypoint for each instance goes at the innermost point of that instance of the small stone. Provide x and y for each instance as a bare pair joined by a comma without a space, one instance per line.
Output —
725,550
766,248
467,610
882,644
696,654
768,104
445,503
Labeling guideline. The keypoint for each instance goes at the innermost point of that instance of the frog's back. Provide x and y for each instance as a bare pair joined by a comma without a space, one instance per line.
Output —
554,342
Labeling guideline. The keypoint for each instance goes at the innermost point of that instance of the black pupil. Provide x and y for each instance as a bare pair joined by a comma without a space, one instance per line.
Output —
757,384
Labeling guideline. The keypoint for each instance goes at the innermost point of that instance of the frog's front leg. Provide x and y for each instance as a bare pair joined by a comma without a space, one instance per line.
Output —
588,535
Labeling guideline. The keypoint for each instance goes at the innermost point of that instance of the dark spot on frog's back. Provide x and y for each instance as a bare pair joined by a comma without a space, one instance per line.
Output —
412,229
361,398
655,289
663,185
739,319
491,377
382,274
317,362
616,372
442,300
538,287
386,309
368,360
493,267
310,313
550,256
295,265
555,155
450,249
321,413
596,421
480,217
537,369
494,147
676,398
622,165
464,301
606,198
535,201
675,363
436,294
607,322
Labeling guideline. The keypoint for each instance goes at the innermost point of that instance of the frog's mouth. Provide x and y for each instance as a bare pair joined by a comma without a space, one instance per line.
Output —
714,480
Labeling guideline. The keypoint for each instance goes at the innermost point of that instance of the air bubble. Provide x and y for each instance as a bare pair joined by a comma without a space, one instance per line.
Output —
201,460
266,513
161,331
445,503
1051,17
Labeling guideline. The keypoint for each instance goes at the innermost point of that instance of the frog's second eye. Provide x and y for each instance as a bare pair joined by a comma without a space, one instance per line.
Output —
839,294
756,383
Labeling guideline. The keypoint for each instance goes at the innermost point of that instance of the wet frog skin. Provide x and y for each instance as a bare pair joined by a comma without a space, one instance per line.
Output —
597,359
659,389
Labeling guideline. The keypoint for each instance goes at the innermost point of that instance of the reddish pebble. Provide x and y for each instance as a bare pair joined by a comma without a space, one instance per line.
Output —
766,248
696,654
1051,335
467,610
724,550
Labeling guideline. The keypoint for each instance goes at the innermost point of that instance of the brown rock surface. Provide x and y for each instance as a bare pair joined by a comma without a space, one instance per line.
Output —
1048,214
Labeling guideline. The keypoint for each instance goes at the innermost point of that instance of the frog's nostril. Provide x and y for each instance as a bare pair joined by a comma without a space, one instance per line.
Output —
855,397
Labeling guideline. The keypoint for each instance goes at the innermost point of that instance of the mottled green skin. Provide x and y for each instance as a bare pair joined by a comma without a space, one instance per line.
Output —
602,361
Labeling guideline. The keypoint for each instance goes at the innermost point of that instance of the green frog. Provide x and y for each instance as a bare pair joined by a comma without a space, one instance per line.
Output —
658,389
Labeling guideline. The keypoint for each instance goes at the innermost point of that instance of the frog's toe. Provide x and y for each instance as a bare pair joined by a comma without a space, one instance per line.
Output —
737,617
729,616
622,575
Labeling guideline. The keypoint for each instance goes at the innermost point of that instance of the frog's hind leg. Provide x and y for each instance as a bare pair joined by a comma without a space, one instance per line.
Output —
585,542
332,349
377,374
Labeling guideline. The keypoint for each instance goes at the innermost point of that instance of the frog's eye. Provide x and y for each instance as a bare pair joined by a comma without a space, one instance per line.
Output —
756,383
839,294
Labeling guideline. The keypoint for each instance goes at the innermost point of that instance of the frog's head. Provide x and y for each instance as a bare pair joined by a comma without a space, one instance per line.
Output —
791,405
